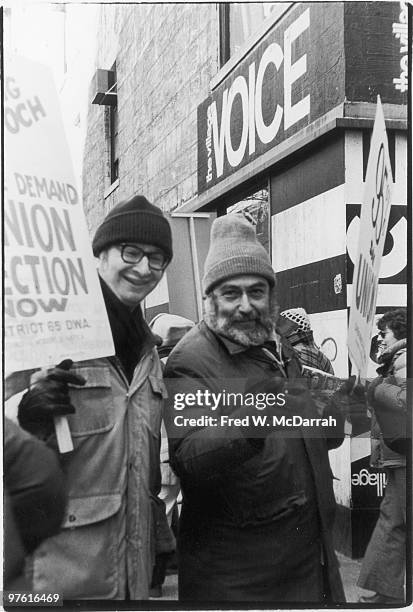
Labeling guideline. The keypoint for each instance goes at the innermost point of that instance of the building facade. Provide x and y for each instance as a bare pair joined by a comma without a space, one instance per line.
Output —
204,108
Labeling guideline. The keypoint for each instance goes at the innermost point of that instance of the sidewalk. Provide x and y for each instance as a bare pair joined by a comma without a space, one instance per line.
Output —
349,570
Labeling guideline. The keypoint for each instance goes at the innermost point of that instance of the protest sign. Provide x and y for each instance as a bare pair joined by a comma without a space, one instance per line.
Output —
374,218
53,304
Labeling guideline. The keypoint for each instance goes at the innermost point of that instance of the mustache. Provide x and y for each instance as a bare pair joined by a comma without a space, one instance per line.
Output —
241,318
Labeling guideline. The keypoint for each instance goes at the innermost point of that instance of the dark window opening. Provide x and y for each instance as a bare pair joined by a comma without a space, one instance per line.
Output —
113,128
240,20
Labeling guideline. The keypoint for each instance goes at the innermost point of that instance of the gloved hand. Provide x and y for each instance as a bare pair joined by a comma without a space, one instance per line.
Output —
351,398
272,384
287,400
349,387
295,387
46,399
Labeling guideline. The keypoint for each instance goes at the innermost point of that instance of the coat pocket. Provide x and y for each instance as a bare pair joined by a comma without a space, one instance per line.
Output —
158,386
83,560
93,402
82,511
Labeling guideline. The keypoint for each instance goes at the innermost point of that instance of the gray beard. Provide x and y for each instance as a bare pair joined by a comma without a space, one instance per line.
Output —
264,326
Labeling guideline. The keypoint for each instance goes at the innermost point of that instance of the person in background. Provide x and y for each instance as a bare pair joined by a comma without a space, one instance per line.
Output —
295,325
35,500
106,546
258,502
170,328
383,565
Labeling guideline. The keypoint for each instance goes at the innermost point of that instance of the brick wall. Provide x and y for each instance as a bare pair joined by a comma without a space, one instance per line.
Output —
165,57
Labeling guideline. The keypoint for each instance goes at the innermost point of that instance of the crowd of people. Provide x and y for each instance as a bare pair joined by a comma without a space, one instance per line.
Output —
258,507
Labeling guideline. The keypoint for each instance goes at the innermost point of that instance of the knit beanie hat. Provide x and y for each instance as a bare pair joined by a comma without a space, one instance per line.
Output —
298,316
234,249
134,220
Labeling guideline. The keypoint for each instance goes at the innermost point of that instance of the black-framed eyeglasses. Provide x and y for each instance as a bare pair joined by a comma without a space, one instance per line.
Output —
132,254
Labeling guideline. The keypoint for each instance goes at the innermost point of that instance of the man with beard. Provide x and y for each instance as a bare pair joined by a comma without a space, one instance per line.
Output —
258,502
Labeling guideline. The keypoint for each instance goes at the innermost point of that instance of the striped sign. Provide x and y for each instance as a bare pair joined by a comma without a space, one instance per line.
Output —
374,219
315,208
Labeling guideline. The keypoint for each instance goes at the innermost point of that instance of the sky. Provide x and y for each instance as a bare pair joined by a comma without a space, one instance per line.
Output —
35,30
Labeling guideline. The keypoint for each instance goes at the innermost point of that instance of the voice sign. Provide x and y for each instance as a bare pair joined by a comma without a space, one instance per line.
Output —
252,90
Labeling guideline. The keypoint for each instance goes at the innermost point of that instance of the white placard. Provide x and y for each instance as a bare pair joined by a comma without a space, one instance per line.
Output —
374,218
54,307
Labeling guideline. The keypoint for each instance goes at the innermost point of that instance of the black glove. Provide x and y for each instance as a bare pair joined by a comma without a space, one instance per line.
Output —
294,387
351,398
261,388
349,388
48,398
288,396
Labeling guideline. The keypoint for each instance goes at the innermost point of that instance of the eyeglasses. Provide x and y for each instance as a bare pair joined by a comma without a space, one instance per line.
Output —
132,255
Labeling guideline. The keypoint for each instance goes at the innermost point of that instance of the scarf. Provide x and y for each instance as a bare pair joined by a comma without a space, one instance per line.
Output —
131,335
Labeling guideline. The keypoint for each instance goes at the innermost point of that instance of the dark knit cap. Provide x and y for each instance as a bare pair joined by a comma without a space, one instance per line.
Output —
134,220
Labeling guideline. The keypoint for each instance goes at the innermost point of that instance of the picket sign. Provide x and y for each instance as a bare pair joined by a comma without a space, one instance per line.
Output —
53,303
374,218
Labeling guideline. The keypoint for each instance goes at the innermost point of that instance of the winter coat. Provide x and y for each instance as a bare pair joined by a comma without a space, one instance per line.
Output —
34,499
244,504
391,391
106,547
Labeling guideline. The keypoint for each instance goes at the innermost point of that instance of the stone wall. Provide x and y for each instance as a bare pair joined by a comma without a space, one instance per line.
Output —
165,57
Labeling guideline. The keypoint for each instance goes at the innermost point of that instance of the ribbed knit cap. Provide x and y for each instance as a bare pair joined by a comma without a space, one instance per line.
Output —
134,220
234,250
298,316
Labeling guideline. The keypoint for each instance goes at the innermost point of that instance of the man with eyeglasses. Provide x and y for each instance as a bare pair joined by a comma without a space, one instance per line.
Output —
114,522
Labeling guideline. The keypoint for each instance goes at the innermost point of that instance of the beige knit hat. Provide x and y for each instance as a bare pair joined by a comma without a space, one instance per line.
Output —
298,316
235,250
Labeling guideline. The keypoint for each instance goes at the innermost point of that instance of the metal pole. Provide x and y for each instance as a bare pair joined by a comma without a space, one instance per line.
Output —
195,267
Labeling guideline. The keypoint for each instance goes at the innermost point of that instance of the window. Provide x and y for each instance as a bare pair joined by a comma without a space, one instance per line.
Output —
239,21
256,206
113,127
